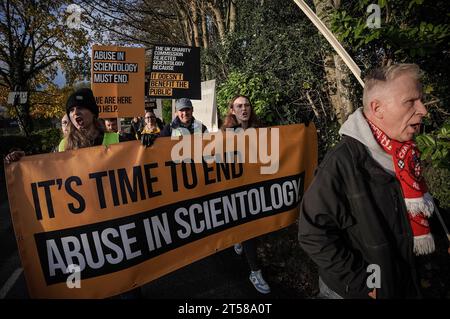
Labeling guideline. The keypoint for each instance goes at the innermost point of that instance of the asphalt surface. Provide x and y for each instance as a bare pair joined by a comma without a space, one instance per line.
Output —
223,275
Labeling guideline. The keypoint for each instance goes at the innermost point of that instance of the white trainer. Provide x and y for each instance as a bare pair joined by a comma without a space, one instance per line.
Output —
258,281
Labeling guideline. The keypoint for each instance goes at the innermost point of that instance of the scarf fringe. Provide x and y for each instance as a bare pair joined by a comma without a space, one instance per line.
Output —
424,244
422,205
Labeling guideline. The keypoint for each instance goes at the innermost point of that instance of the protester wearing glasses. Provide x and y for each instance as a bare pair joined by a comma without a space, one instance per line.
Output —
151,130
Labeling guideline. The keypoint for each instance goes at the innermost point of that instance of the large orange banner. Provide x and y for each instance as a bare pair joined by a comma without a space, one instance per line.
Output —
121,216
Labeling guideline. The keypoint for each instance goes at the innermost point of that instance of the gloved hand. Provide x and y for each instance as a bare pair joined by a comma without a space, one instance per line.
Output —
148,139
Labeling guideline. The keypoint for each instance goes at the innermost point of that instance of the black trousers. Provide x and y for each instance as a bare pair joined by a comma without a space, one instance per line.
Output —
249,248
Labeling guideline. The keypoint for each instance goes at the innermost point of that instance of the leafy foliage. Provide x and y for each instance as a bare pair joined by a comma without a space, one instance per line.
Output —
405,28
274,57
411,31
435,147
167,111
438,181
256,87
435,152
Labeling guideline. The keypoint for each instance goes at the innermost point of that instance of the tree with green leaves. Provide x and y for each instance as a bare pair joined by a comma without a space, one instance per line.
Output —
413,31
274,56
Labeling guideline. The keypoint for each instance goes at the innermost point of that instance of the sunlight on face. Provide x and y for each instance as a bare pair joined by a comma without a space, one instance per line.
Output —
402,109
241,109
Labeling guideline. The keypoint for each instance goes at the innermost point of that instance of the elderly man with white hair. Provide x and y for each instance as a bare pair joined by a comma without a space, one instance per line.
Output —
365,215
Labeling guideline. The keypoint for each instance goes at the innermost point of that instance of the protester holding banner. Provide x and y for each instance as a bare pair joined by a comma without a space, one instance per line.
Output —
184,123
241,115
365,215
151,130
151,126
84,130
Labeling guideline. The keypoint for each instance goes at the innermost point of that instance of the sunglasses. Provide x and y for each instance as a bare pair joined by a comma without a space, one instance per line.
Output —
150,117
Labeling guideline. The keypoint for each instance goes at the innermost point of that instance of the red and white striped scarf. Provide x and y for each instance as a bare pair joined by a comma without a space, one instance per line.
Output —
408,171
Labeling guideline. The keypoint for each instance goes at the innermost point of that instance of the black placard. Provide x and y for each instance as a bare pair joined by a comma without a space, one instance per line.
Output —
175,72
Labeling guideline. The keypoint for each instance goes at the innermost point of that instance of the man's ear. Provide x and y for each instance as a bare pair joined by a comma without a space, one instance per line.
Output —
376,108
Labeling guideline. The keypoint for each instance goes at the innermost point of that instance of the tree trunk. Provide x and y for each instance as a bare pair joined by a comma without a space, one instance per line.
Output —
184,22
194,13
232,16
204,28
343,81
218,17
24,118
205,38
337,74
22,110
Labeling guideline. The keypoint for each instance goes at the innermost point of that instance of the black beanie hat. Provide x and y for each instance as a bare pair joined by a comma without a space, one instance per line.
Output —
82,98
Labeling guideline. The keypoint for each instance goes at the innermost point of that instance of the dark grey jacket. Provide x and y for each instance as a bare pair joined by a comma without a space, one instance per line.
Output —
353,215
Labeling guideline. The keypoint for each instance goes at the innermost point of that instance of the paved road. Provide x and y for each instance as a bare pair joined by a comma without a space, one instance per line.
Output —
222,275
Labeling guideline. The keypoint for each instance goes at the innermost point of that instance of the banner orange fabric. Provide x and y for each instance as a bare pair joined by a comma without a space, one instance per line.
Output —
126,215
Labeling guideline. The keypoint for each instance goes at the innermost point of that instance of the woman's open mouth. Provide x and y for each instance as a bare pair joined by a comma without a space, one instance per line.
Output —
79,121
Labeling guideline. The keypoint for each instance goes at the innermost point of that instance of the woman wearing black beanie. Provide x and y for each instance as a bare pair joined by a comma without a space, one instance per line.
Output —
84,128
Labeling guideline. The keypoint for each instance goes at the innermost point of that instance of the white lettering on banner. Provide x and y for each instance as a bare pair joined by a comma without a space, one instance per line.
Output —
109,55
115,67
185,50
200,217
157,230
77,253
124,243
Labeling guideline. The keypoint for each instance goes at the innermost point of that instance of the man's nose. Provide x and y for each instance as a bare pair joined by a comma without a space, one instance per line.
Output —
421,108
